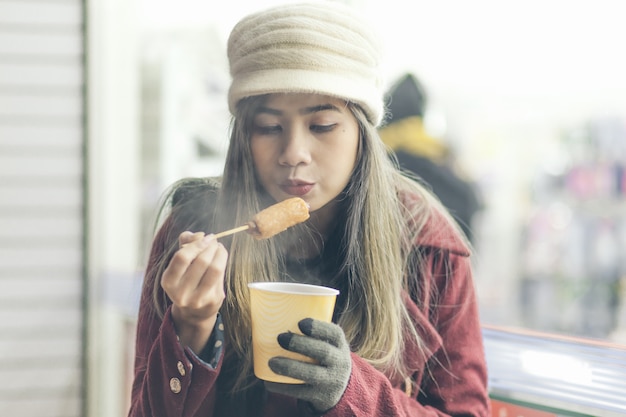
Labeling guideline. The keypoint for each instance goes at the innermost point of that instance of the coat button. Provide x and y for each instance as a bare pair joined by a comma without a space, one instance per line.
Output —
181,368
175,385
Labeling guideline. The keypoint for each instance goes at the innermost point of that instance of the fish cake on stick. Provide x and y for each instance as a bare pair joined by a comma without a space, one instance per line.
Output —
274,219
278,218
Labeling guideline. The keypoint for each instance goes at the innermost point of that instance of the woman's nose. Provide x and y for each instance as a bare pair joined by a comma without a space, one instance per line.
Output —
296,149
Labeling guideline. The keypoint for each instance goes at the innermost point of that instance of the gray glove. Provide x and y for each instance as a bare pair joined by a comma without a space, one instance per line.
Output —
326,381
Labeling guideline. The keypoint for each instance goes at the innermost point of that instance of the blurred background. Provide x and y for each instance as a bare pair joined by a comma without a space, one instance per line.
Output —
104,103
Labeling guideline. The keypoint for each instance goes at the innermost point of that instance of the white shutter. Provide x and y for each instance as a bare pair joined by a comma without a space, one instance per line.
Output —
41,208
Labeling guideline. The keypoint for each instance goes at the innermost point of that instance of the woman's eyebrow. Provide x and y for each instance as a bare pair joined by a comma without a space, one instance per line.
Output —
269,110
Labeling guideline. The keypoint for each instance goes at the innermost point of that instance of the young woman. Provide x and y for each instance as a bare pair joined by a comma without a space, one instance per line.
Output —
306,96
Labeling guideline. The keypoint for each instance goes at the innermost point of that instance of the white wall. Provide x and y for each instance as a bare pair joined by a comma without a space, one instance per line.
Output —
113,200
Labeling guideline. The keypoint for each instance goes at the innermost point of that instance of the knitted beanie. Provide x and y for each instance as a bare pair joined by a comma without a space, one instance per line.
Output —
319,47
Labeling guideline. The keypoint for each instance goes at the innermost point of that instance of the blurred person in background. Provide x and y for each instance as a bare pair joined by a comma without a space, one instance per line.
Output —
427,158
306,98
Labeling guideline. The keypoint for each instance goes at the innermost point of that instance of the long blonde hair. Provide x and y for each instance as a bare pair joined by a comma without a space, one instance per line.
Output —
377,242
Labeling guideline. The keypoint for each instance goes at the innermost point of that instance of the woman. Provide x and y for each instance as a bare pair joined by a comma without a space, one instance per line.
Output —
306,97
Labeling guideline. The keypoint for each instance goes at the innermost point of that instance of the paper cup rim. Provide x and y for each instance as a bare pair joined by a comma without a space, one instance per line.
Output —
294,288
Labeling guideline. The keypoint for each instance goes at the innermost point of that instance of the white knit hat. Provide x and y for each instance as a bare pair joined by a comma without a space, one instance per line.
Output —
319,47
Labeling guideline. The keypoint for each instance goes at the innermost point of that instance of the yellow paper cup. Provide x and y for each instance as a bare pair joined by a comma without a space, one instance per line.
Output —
277,307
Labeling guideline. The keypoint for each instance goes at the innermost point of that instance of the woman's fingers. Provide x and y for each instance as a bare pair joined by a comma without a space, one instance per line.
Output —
211,286
203,260
187,237
181,261
204,279
195,260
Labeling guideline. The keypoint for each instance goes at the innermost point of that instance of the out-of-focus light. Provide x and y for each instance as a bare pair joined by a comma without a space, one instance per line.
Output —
561,216
556,366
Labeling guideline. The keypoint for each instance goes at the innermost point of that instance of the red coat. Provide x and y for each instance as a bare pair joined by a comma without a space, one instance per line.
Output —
172,381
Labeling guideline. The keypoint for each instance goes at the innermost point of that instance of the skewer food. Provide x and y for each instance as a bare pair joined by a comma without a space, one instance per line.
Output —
274,219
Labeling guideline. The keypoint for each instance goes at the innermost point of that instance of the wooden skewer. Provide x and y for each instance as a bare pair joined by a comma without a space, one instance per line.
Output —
232,231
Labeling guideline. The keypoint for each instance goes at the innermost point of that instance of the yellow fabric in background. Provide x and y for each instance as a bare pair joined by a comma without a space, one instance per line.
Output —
409,135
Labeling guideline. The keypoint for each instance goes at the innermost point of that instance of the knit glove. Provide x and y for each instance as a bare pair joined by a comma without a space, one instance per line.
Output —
324,381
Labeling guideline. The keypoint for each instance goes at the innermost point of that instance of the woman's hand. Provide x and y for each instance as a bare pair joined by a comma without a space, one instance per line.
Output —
325,381
194,281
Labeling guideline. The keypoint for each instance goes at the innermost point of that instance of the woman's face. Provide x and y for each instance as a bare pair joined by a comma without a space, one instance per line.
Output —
304,145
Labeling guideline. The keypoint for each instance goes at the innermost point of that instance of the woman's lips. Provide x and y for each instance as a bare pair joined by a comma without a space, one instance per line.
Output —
296,188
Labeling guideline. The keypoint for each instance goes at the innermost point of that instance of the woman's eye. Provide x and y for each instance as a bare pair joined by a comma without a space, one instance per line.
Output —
322,128
267,130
